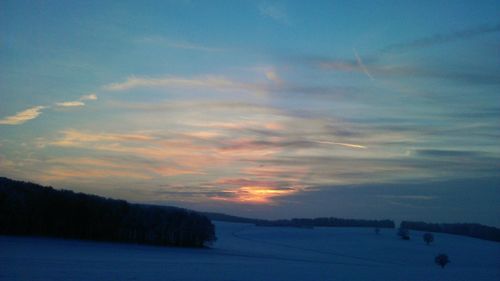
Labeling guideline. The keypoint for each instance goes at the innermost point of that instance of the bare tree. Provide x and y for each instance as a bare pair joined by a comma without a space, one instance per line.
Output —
442,260
428,238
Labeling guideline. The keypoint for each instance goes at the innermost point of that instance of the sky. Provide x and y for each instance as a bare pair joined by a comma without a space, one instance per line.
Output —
266,109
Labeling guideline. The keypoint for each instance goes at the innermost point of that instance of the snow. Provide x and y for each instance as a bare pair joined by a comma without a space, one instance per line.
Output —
247,252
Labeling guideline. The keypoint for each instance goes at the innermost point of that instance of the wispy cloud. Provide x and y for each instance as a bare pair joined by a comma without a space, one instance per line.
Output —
255,191
78,138
408,197
442,38
219,83
79,102
374,66
34,112
70,104
23,116
88,97
275,12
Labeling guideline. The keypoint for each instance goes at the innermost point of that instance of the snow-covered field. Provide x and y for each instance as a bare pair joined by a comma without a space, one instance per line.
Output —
247,252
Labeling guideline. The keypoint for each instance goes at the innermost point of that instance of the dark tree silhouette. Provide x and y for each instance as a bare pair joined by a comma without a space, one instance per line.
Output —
428,238
442,260
404,233
31,209
327,222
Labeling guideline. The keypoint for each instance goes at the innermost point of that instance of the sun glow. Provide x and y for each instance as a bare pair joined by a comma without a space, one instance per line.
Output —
257,194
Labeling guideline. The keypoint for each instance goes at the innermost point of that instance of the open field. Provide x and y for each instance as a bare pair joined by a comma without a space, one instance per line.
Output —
247,252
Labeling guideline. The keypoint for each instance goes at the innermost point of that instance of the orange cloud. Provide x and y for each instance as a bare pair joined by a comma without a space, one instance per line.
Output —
274,172
22,116
172,171
77,138
89,174
255,191
255,194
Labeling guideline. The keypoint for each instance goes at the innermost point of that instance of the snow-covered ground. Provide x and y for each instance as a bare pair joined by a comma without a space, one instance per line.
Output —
247,252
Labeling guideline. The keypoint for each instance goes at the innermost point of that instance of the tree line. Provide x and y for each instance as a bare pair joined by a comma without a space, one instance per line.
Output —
328,222
31,209
466,229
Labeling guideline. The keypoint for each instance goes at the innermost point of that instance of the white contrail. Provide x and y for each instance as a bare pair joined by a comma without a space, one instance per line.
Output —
362,65
344,144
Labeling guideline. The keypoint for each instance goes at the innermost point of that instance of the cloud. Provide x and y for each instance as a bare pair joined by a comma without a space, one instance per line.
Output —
274,12
89,174
443,38
408,197
446,153
78,138
70,104
255,191
377,68
218,83
23,116
78,102
33,112
88,97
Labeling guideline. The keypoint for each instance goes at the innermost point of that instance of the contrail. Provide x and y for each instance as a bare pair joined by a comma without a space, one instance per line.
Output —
362,65
344,144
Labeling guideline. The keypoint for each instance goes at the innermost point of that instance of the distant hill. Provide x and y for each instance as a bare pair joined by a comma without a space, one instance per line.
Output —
31,209
465,229
229,218
304,222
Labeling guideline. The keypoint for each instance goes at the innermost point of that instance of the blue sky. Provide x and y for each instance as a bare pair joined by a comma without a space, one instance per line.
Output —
258,108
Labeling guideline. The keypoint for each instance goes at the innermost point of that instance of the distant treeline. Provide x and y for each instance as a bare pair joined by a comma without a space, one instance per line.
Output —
229,218
31,209
329,222
466,229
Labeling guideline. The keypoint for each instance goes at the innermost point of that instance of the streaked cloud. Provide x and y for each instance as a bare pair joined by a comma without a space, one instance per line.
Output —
376,67
70,104
442,38
23,116
75,138
88,97
254,191
408,197
219,83
79,102
34,112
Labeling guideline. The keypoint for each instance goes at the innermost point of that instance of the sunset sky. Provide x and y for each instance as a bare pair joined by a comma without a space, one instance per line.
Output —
269,109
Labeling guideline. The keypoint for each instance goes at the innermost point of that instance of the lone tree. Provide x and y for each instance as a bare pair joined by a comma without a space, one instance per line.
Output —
404,233
428,238
442,260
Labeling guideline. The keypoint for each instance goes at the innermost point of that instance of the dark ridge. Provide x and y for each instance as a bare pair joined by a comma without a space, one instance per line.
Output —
31,209
229,218
465,229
